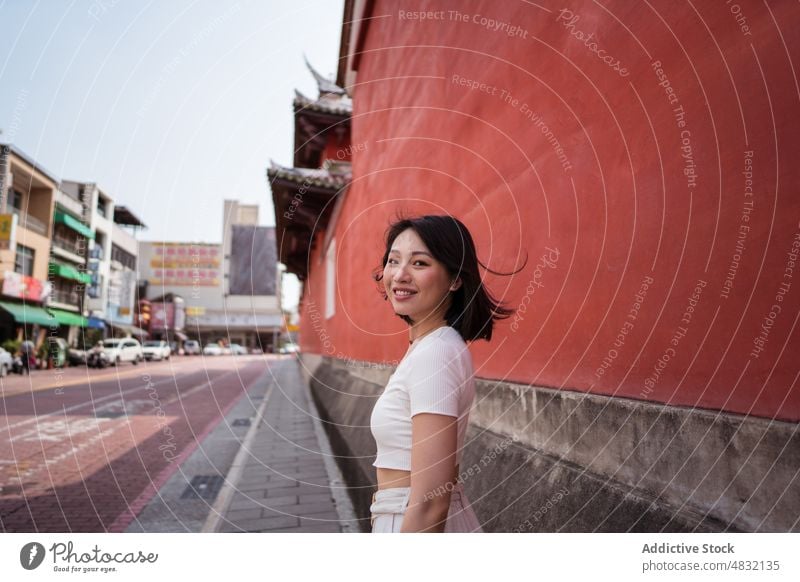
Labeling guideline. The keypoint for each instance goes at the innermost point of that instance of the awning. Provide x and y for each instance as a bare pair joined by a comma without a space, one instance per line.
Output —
62,217
69,272
24,313
96,323
131,329
180,336
138,331
69,318
125,217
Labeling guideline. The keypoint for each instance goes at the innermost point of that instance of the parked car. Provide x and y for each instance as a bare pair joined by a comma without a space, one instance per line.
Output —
156,350
212,350
6,362
238,350
123,350
191,348
290,349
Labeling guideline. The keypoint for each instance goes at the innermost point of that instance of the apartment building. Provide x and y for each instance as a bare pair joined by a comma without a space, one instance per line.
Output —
67,265
112,260
27,203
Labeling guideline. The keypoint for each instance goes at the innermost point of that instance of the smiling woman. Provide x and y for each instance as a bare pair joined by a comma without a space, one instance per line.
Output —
430,274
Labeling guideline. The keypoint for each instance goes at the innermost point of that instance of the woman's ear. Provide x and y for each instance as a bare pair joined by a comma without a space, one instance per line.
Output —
456,284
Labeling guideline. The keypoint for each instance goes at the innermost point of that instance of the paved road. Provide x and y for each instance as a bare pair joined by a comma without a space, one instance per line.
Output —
79,448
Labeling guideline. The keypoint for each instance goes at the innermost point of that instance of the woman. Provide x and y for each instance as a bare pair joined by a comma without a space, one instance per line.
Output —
430,275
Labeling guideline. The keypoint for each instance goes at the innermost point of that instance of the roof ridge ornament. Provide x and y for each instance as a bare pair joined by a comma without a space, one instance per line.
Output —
325,85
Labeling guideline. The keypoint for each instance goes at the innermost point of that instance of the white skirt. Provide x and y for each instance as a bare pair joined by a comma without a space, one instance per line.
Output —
389,506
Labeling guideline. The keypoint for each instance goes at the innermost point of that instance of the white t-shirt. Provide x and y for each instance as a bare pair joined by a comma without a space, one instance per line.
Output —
436,375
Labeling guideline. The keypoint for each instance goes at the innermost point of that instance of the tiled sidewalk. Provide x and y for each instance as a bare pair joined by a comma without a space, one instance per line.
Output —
282,480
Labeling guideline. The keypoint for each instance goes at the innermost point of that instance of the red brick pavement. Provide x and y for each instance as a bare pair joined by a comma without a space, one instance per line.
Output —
89,458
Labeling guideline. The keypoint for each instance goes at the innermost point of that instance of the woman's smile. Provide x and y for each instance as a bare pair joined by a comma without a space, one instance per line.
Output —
403,294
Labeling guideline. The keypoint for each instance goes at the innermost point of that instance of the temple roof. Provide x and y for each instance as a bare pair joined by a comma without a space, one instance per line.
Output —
304,196
333,104
304,199
333,174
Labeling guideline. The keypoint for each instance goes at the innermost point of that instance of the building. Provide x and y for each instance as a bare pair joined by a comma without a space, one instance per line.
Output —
67,263
646,376
112,260
228,292
123,273
67,269
27,202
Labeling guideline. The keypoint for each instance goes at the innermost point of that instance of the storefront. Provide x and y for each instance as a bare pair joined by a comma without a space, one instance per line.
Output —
22,313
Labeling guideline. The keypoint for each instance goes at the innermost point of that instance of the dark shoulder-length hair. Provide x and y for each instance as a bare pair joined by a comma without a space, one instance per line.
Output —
473,310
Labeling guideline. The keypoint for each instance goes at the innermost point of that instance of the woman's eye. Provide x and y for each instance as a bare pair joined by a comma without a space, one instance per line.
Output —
417,262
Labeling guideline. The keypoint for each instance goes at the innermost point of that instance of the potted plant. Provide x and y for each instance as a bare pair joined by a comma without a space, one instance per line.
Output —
42,355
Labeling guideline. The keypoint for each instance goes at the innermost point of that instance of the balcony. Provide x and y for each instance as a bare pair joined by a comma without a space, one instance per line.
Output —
66,297
31,223
73,245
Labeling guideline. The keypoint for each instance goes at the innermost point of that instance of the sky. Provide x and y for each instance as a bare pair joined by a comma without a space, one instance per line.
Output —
171,107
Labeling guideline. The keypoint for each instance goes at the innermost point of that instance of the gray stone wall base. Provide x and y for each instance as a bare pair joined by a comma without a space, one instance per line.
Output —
545,460
522,490
345,404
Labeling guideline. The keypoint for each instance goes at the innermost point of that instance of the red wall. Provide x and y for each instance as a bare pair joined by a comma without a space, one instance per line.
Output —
338,148
618,206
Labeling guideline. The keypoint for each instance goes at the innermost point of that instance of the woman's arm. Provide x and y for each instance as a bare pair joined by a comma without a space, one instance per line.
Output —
434,438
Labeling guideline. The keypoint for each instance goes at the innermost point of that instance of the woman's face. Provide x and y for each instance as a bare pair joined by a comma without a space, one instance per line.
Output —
417,284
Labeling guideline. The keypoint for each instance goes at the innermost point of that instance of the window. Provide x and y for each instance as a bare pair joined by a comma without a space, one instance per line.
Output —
97,249
15,201
95,290
123,256
330,280
101,207
23,261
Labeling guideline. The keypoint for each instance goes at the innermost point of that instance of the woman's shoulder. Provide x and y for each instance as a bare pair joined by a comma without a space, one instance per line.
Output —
451,337
450,345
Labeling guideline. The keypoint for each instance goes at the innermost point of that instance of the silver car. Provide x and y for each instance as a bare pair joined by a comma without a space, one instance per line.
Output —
191,348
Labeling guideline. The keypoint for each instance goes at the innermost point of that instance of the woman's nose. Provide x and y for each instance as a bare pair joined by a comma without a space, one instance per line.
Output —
400,273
